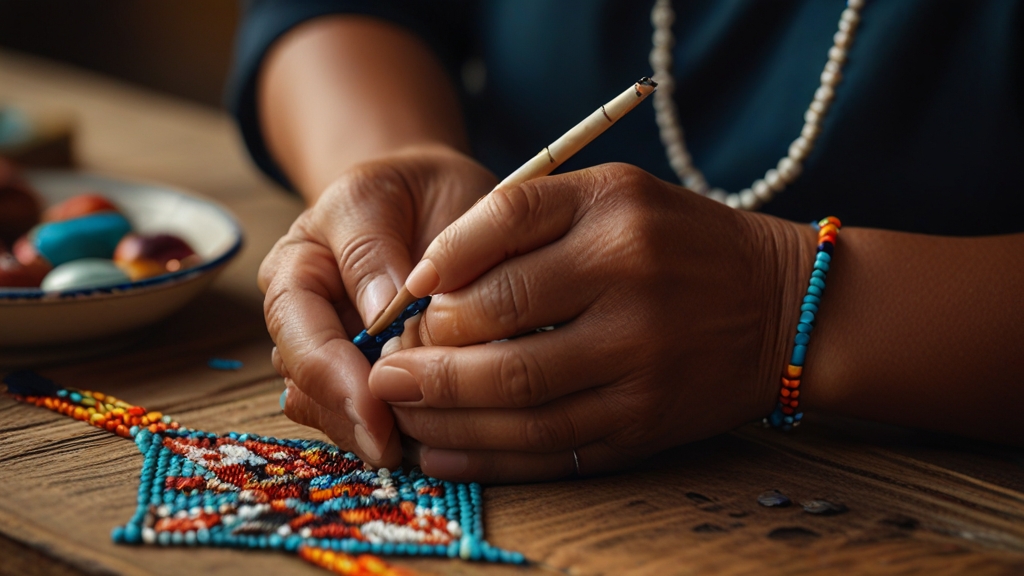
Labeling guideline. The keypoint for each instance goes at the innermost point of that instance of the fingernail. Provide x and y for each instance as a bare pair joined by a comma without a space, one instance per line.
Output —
284,399
443,463
392,384
391,346
366,443
423,279
377,296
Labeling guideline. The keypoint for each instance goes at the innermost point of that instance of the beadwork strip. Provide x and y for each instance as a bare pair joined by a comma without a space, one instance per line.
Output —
787,414
303,497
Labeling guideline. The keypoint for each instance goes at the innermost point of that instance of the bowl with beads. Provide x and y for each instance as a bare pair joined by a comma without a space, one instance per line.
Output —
98,258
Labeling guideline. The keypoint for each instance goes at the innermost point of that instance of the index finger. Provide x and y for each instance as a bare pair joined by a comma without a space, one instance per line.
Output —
311,340
505,223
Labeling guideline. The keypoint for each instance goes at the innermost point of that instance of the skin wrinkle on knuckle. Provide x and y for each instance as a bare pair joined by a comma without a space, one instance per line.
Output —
542,435
517,386
439,381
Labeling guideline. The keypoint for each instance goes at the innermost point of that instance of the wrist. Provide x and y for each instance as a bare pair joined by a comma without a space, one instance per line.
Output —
786,251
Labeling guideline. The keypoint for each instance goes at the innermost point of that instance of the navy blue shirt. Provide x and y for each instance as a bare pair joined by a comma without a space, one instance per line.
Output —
926,132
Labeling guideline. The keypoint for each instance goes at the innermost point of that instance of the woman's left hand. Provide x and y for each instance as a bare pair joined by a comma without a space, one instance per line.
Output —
674,317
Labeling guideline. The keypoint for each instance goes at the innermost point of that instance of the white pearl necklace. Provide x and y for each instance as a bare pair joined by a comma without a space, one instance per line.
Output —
789,167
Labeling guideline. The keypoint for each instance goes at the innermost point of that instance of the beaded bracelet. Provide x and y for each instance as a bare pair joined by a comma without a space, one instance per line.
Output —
786,415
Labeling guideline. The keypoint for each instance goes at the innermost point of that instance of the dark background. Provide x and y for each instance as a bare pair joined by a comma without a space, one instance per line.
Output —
178,46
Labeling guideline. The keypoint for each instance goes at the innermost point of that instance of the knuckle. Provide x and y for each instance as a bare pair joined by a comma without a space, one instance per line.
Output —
509,209
440,383
505,300
519,384
543,435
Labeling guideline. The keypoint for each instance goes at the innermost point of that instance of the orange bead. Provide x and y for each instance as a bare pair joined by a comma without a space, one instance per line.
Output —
136,411
794,371
835,221
787,410
784,392
121,430
794,403
795,394
828,229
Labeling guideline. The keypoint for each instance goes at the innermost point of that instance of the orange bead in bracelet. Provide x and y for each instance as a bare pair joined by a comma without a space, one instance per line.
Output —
794,371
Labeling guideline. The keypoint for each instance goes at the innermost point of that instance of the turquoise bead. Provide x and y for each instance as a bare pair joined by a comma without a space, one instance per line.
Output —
812,299
818,274
802,338
814,290
799,352
92,236
823,257
820,266
84,273
817,282
804,328
808,307
807,317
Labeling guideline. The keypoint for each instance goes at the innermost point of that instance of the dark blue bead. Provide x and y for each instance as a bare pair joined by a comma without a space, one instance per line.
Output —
826,247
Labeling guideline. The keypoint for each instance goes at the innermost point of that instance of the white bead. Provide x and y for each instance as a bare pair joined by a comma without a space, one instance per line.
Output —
662,15
676,150
732,200
798,150
789,170
846,26
812,117
810,131
718,195
830,78
697,183
818,106
149,535
748,201
762,190
679,166
671,134
855,4
832,66
662,38
835,53
843,39
774,180
661,58
825,93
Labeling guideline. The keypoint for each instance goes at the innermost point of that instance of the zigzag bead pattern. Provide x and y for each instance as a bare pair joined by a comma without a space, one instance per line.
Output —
303,497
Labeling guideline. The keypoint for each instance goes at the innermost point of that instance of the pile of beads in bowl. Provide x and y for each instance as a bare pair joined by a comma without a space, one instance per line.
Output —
83,242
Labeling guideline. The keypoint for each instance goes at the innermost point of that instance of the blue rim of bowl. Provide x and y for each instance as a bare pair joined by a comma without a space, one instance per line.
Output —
35,294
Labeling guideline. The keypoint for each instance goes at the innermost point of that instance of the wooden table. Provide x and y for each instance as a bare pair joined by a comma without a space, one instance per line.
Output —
917,502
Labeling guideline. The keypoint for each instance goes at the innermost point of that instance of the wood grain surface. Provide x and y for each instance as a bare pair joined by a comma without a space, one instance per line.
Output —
917,502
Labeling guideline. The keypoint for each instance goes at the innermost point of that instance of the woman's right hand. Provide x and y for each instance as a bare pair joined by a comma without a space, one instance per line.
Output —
336,269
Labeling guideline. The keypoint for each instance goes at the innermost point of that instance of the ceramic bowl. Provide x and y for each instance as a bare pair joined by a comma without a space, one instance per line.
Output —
33,318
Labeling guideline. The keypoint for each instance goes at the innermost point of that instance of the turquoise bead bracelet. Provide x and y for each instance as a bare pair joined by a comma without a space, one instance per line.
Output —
787,413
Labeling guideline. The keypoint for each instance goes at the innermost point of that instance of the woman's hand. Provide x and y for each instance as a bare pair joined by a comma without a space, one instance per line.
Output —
674,316
339,266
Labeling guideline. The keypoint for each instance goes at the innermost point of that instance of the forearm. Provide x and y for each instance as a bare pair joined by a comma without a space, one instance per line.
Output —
339,90
923,331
